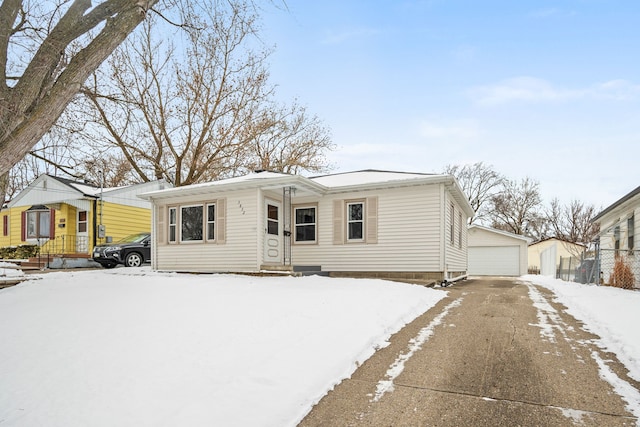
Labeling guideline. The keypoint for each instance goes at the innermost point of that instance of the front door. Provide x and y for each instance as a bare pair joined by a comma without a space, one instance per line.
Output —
273,232
82,235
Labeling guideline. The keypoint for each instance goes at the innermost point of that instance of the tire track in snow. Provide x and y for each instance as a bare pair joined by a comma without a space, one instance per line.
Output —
386,385
549,320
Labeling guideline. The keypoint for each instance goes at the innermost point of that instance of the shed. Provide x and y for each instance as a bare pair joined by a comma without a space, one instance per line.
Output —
496,253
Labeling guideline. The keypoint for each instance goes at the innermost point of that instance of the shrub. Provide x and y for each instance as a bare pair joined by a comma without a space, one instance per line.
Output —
19,252
622,276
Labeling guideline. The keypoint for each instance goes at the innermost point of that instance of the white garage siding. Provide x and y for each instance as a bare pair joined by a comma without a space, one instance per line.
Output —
494,261
496,253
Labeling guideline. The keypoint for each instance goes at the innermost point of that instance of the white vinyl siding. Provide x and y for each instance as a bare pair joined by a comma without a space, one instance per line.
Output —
455,258
236,242
407,224
488,256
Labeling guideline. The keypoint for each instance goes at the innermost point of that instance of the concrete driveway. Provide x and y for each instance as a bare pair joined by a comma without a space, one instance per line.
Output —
495,352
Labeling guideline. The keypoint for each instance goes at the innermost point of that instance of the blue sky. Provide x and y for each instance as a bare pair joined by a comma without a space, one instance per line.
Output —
543,89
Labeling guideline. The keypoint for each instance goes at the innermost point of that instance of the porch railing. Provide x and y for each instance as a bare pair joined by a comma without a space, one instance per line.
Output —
66,244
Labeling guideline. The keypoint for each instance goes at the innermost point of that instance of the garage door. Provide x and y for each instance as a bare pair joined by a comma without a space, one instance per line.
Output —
494,261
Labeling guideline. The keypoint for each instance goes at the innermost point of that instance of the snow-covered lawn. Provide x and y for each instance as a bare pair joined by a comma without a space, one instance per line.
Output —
9,272
132,347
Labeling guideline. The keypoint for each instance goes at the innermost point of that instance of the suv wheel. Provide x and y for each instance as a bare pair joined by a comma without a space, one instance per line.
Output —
134,259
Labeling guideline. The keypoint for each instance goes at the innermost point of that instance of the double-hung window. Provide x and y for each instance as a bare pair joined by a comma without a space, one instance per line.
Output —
211,221
355,221
452,224
460,229
38,224
191,220
630,232
305,224
173,225
616,239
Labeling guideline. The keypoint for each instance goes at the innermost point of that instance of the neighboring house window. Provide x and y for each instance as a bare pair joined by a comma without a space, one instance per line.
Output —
630,231
616,239
305,224
355,221
82,221
38,224
211,221
460,229
191,218
5,225
452,224
173,224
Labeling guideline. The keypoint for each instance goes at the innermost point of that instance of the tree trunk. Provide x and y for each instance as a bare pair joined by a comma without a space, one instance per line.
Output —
33,105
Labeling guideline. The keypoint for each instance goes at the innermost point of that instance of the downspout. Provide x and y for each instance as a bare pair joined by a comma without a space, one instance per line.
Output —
95,223
443,233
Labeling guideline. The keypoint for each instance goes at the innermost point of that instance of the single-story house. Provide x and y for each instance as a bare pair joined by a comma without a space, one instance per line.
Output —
67,217
617,235
571,254
496,253
407,226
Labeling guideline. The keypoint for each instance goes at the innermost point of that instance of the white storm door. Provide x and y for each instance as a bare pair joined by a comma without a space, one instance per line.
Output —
273,232
82,232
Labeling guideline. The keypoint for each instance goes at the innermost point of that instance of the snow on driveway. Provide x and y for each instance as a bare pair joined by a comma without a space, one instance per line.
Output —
132,347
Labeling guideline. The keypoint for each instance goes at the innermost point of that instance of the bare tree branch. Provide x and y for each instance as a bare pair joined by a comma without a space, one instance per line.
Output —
50,80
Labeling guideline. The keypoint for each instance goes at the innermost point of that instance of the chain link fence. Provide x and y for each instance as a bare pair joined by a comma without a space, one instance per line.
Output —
567,269
621,267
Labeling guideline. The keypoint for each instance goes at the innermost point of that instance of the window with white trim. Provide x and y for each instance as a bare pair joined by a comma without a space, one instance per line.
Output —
191,220
355,221
173,225
211,221
38,223
630,232
460,229
452,224
82,222
305,224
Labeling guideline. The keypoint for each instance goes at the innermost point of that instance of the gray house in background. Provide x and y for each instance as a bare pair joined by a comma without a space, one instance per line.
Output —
617,236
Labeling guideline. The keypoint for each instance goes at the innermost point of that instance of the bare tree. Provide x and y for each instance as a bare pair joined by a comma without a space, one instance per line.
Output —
517,208
572,222
47,51
202,111
480,183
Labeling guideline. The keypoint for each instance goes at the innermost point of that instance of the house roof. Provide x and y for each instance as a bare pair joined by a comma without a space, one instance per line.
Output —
76,190
501,232
325,184
617,204
558,239
365,177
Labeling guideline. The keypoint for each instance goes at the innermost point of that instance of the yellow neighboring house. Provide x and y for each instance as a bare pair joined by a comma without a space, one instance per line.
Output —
66,217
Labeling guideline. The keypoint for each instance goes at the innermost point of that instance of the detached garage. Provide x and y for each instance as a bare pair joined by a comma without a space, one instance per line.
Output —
496,253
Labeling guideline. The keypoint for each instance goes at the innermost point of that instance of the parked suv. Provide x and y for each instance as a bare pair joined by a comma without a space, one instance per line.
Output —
132,251
585,271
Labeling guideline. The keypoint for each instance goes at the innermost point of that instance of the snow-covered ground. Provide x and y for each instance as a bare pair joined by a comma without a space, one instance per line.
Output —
9,272
611,313
132,347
